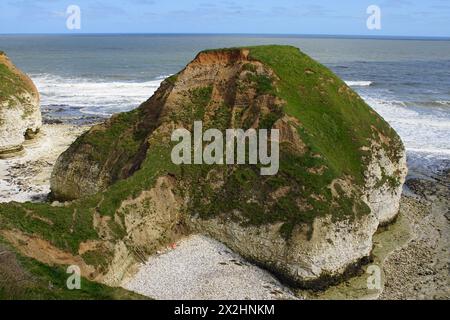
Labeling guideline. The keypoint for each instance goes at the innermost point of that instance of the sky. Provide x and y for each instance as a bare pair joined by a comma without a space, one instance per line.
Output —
335,17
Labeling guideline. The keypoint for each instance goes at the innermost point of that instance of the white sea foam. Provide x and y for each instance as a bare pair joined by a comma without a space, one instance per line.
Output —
90,97
443,102
359,83
422,133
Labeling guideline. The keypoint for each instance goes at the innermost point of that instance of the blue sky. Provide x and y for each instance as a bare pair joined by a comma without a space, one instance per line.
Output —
398,17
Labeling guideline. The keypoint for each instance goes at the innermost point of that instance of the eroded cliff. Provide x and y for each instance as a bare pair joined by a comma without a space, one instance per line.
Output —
341,172
20,115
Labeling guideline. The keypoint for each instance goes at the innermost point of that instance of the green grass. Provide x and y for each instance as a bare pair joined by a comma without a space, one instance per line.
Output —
264,84
336,125
172,79
64,227
42,282
194,106
120,138
11,85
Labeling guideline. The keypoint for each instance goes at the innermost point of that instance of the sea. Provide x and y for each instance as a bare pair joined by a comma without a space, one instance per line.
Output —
87,78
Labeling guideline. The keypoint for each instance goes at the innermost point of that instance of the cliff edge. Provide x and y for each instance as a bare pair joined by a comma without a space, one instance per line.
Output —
20,115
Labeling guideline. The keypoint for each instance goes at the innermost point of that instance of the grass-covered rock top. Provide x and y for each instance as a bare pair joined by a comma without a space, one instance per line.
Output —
13,83
329,136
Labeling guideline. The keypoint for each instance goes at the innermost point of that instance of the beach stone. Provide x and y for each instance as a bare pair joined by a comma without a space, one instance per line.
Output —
202,268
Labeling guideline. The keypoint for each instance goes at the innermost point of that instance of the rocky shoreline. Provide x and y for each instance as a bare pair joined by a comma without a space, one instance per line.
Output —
420,269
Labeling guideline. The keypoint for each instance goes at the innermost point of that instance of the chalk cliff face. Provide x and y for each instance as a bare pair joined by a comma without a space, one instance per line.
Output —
341,168
20,115
384,179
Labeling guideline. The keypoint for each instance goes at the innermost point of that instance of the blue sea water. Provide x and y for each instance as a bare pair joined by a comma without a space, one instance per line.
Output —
84,78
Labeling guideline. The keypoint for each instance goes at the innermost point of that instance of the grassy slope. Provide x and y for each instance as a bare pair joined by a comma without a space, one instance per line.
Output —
25,278
334,125
10,82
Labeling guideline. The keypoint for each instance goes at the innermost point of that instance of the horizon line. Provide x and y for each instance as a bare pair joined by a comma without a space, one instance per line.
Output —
357,36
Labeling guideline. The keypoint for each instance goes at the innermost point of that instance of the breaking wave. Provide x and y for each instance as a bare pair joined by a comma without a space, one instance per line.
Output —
76,96
359,83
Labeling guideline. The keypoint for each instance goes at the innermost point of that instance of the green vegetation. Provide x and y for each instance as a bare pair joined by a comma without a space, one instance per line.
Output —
249,67
172,79
392,182
52,223
268,120
195,106
119,138
27,279
334,124
11,85
222,118
263,83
